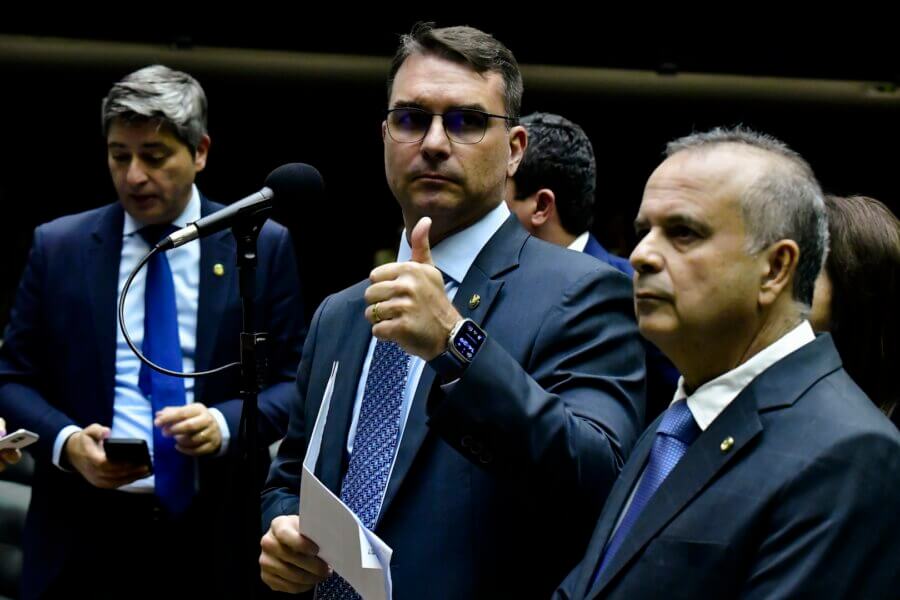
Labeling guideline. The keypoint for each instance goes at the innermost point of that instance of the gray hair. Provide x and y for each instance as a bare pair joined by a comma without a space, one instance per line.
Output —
785,202
158,93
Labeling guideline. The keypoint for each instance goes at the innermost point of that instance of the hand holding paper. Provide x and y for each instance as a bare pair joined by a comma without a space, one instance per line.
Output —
298,549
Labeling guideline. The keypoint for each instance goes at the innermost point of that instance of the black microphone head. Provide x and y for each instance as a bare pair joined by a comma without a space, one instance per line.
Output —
295,179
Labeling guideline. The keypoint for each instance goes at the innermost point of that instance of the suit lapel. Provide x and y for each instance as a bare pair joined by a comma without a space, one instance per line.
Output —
776,388
416,428
352,346
618,496
214,295
498,256
702,462
102,259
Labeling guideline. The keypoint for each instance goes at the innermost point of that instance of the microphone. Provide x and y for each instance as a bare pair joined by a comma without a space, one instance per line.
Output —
292,179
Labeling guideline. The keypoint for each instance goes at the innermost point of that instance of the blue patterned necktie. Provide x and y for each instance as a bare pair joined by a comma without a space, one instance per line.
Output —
377,436
676,432
173,471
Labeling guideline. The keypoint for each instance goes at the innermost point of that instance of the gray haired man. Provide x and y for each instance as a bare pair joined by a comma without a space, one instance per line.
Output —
771,475
109,527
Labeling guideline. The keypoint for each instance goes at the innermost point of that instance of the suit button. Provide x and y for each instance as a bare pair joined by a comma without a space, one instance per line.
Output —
466,441
476,447
486,458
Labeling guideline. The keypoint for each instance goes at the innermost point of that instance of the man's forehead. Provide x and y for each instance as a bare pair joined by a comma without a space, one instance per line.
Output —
144,133
720,165
428,79
694,184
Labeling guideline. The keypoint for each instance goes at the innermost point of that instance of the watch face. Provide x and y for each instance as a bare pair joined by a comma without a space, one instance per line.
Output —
468,340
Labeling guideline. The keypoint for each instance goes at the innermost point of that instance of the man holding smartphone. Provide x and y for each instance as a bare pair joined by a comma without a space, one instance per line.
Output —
67,374
8,456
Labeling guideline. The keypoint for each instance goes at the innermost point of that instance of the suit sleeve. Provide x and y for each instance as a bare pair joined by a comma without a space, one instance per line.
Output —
569,418
22,401
833,530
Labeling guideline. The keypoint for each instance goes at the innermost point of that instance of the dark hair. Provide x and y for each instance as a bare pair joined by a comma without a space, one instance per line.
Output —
465,45
864,267
559,157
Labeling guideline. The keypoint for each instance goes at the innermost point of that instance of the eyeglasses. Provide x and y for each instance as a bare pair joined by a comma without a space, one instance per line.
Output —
462,125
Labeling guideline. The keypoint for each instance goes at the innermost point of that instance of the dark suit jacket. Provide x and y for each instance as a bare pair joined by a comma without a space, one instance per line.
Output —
802,505
57,363
521,452
662,376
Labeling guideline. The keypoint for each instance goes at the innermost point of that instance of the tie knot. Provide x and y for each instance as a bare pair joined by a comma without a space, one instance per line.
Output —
152,234
678,422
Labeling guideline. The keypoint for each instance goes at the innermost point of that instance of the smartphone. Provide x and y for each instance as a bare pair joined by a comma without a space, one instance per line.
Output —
128,450
18,439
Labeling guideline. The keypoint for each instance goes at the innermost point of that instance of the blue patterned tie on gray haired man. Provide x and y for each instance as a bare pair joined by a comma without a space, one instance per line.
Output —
676,432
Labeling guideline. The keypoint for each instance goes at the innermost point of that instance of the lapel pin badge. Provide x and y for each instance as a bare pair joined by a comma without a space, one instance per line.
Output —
218,269
474,301
726,444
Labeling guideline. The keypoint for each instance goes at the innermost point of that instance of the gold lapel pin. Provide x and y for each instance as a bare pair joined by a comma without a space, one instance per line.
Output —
474,301
218,269
726,444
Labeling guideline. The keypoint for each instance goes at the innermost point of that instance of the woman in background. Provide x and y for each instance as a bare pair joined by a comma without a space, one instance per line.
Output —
857,296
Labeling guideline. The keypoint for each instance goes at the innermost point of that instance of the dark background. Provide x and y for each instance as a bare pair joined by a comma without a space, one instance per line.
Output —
313,91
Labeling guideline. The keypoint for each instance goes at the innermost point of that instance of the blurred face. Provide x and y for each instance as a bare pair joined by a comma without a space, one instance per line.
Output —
453,183
820,315
152,170
696,288
523,208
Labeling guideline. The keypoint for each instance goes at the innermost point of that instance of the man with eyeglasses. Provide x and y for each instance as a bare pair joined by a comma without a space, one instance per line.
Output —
489,386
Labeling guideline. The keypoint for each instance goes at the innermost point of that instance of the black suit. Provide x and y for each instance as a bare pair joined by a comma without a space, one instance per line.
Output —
801,505
57,368
521,452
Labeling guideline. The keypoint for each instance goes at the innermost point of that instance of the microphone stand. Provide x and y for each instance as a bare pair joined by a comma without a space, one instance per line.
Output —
253,375
253,366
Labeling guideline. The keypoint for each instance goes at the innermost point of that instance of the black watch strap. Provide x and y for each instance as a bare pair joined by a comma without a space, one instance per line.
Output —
448,366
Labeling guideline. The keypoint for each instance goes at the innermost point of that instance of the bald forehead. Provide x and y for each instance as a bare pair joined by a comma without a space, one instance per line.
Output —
732,165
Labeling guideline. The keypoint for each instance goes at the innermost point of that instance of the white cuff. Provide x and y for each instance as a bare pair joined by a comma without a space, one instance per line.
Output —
223,430
61,438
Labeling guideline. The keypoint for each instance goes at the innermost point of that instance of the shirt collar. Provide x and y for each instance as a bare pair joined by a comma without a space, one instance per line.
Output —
579,243
190,214
710,399
455,254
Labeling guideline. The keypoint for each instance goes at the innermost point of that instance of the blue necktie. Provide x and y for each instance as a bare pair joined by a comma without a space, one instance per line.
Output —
377,436
675,434
173,471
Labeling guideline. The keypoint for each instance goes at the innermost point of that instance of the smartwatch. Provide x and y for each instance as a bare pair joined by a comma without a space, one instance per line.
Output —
463,344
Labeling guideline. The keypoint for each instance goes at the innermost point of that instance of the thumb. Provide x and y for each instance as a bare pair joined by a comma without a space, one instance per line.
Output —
418,242
97,432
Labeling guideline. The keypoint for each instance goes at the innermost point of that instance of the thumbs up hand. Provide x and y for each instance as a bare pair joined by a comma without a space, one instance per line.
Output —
419,243
407,303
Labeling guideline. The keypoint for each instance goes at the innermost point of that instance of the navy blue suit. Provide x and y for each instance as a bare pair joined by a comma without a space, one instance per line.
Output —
662,376
802,505
522,451
57,365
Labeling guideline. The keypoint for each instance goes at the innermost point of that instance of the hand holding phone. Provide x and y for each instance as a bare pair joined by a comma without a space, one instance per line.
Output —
84,451
18,440
130,451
